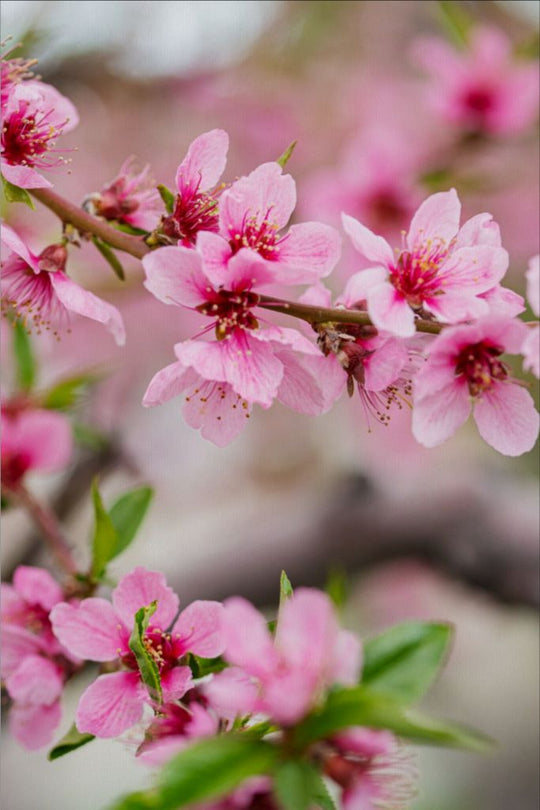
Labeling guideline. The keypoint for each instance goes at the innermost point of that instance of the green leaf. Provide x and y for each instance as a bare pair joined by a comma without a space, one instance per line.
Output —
24,357
286,156
127,515
359,706
110,257
168,198
89,437
204,666
299,786
405,660
145,661
337,587
15,194
212,768
125,228
66,393
72,740
105,538
320,795
141,800
285,588
456,21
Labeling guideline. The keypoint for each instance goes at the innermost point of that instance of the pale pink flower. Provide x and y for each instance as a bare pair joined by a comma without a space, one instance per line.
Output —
252,214
483,88
196,203
33,439
34,115
132,197
100,631
441,271
464,371
293,670
37,289
33,665
531,344
222,379
372,770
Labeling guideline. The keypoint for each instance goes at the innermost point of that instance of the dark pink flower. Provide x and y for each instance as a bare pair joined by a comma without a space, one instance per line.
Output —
483,88
98,631
34,664
293,670
37,290
223,378
441,272
34,115
195,208
531,344
464,371
252,215
132,197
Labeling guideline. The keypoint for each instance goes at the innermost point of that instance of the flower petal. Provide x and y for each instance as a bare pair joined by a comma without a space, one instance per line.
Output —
204,162
23,176
34,726
216,410
373,248
77,299
266,194
90,629
390,311
437,219
175,276
37,586
14,242
175,683
36,680
231,693
140,588
436,417
308,252
507,419
199,628
248,643
169,382
111,704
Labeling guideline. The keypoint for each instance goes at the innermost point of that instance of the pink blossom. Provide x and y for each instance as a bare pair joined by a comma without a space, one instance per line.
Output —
195,208
464,371
34,115
293,670
372,770
252,214
531,344
37,289
441,271
222,379
484,88
98,631
33,440
34,665
131,198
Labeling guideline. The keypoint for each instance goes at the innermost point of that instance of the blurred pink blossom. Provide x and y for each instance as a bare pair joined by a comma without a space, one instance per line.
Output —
531,344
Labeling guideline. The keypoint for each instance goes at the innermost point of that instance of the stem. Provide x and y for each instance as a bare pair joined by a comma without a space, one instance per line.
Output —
313,314
86,223
49,526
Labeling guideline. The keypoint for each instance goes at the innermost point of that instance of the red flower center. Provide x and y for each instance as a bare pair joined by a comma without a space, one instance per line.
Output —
232,310
193,212
481,367
162,647
261,236
416,274
28,139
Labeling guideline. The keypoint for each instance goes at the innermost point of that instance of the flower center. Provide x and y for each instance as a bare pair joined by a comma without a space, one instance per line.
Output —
261,236
28,139
163,649
193,212
14,466
416,273
232,310
479,101
481,367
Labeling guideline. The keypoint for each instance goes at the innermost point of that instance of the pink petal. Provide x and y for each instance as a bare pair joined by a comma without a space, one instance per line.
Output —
244,271
384,366
175,276
288,695
111,704
36,680
360,284
266,193
300,387
390,311
17,644
307,630
309,251
34,726
317,296
345,663
507,419
373,248
169,382
479,230
436,417
46,438
77,299
90,629
216,253
23,176
531,351
437,219
139,589
37,586
248,643
474,269
204,162
504,302
231,693
175,683
366,742
216,410
533,284
199,627
455,306
14,242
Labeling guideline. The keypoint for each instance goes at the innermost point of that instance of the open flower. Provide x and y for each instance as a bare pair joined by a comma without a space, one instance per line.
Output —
464,371
33,439
441,272
34,664
34,115
195,207
222,379
37,289
484,88
531,344
252,215
98,631
292,671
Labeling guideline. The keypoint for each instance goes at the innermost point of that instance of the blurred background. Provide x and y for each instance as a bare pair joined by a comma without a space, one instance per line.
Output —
449,534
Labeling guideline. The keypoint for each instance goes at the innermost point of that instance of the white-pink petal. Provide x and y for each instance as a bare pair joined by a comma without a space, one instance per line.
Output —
390,312
374,248
169,382
34,726
308,252
507,419
437,219
37,586
248,643
266,194
436,417
14,242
